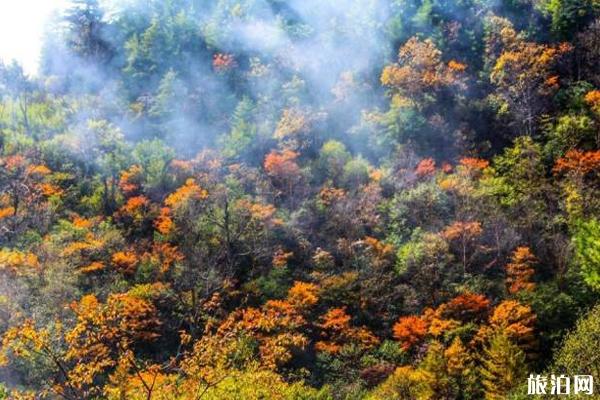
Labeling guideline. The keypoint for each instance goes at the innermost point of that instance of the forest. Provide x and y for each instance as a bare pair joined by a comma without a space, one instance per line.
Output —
302,199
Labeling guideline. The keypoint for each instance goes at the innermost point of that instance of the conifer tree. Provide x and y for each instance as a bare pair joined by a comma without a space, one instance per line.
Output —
503,367
519,271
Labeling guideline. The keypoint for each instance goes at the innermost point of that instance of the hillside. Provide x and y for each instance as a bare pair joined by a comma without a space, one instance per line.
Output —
301,199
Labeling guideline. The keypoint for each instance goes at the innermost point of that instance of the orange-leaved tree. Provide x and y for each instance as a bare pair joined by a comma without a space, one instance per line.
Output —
520,271
420,69
337,331
103,335
283,170
409,331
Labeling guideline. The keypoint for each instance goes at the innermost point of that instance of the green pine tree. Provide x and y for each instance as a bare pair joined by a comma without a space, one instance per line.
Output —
503,367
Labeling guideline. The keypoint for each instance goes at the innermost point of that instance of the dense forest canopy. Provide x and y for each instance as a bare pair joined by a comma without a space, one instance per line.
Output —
301,199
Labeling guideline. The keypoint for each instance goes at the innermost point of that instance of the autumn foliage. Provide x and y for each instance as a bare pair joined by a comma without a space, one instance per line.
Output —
578,162
474,164
462,230
468,307
282,165
391,199
188,192
520,271
223,62
425,167
420,67
125,261
409,331
516,321
337,330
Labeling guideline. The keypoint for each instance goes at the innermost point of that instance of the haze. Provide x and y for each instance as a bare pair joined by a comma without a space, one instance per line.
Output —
21,29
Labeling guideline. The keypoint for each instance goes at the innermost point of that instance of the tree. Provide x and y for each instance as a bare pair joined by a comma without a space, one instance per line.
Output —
189,192
214,367
25,188
409,331
303,295
465,234
467,307
571,131
136,213
515,321
592,99
405,383
435,366
421,86
503,368
518,181
587,251
87,34
578,162
102,144
160,38
333,156
130,181
519,272
567,16
420,69
15,262
26,341
426,262
336,331
19,87
103,334
500,35
577,353
580,171
524,75
590,52
295,127
425,168
154,158
462,368
244,142
277,325
283,170
125,262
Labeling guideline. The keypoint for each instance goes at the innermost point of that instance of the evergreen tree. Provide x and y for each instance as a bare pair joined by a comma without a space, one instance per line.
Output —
86,34
503,367
435,365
